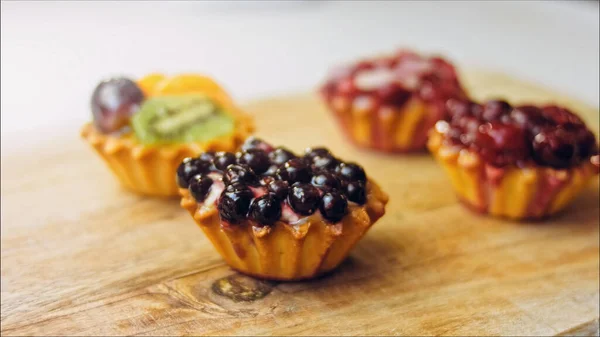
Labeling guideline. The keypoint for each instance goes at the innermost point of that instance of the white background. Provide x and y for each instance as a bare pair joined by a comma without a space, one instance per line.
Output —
53,54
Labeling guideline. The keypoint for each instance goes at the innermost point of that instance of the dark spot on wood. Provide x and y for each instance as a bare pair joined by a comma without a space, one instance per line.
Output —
241,288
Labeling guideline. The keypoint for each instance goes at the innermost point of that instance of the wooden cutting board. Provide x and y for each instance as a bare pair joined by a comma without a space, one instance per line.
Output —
81,256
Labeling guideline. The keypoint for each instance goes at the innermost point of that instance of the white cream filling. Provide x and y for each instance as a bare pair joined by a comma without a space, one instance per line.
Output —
374,78
407,73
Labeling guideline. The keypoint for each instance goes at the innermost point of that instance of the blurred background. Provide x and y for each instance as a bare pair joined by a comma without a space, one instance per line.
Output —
54,53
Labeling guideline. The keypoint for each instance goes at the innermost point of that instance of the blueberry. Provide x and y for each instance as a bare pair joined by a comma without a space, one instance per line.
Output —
207,156
265,210
256,143
327,162
280,155
333,206
324,178
271,171
351,171
223,159
304,198
294,170
234,204
239,173
312,152
237,186
356,191
200,186
188,168
279,188
257,159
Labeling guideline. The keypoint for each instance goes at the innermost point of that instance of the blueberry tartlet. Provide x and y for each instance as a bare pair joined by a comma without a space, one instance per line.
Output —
522,162
390,103
144,129
275,215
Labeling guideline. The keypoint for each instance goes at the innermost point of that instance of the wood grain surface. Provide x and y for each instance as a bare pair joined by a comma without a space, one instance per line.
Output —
81,256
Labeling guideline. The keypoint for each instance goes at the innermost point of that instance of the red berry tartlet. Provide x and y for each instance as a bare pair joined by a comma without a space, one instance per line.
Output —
522,162
390,103
274,215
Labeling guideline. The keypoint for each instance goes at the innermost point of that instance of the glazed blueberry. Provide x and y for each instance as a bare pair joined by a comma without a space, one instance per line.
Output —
356,191
333,206
316,151
351,171
256,143
257,159
325,179
239,173
251,143
265,210
237,186
556,148
207,156
294,170
326,162
272,171
280,155
315,181
188,168
279,188
234,204
223,159
304,198
200,186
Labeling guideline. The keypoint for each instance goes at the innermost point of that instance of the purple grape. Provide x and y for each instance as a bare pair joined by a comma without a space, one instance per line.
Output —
113,103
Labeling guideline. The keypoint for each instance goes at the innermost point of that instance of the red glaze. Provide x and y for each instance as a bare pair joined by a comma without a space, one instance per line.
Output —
505,135
408,75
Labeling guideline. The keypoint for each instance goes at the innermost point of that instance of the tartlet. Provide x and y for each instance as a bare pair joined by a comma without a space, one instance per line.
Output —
273,215
144,129
389,103
522,162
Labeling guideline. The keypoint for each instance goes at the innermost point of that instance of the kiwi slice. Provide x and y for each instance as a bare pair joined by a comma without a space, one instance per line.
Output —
180,119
